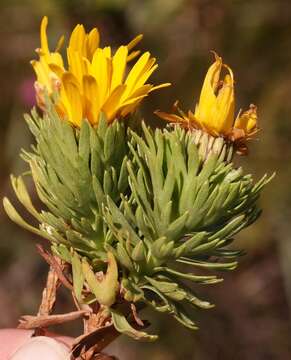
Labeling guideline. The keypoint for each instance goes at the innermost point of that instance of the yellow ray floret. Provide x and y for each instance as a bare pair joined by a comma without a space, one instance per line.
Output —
94,79
214,112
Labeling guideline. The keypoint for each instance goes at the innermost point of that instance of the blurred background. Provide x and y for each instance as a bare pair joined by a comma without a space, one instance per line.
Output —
252,316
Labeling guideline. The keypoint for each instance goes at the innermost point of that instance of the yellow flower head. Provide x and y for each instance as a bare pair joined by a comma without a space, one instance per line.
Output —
215,111
94,80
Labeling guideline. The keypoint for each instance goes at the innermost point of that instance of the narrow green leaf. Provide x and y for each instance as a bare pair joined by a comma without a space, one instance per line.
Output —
78,276
122,325
15,217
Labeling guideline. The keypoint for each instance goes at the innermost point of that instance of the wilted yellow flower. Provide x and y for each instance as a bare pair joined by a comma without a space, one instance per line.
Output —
214,112
247,122
95,80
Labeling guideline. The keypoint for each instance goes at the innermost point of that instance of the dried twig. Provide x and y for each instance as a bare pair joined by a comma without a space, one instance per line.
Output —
49,293
33,322
52,261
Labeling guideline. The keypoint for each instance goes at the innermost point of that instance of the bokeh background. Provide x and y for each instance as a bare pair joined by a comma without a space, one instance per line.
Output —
252,317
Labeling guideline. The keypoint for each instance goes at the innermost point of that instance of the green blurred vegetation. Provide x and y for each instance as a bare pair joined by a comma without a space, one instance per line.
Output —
251,320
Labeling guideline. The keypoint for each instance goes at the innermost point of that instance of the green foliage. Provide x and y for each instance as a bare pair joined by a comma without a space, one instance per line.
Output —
73,170
183,209
164,205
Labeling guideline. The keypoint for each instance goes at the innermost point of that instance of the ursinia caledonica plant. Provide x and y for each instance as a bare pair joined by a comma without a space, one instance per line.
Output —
133,215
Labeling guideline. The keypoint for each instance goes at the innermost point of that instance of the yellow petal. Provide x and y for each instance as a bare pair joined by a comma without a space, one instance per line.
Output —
161,86
143,90
133,55
76,64
43,35
101,71
145,76
136,72
224,115
118,66
130,108
136,100
211,80
147,71
77,39
92,43
107,51
72,99
60,43
112,104
91,94
207,100
169,117
134,42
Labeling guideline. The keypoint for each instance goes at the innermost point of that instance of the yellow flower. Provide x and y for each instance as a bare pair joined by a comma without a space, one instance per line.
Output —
215,111
246,123
95,80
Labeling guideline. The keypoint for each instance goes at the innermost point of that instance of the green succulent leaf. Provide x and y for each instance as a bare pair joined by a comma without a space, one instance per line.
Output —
122,325
78,275
104,289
